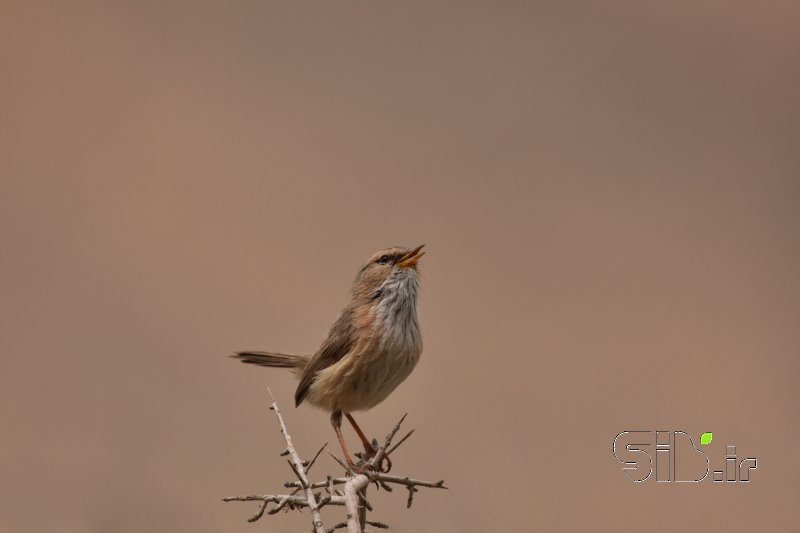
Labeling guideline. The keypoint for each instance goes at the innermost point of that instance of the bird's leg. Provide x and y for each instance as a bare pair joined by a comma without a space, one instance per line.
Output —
336,422
369,449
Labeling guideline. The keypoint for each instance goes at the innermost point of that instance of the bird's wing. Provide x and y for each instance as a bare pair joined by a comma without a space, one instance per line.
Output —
341,339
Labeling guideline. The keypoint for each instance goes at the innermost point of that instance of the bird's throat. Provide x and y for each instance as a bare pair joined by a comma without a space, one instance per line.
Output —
396,312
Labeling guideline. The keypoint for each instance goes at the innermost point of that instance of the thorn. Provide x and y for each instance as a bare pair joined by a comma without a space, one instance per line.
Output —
314,460
364,501
393,448
411,491
341,463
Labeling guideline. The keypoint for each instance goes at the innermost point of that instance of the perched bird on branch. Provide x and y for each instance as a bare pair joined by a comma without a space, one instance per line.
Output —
371,348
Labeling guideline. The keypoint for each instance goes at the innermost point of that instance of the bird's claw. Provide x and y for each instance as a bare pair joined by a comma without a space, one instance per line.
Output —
388,465
361,467
368,455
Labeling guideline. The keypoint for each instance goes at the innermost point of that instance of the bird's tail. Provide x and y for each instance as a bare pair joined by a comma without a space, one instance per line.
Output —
273,359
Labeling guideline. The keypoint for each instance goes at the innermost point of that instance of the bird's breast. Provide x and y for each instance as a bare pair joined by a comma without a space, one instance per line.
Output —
388,348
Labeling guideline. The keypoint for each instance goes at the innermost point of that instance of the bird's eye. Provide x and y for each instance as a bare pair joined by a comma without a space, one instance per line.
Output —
383,260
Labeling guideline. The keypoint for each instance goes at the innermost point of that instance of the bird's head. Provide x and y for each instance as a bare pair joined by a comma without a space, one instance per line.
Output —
386,270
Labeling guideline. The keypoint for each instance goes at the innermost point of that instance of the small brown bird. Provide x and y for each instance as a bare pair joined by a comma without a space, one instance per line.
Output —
371,348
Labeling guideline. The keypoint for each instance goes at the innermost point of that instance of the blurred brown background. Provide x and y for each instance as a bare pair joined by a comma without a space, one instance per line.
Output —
608,192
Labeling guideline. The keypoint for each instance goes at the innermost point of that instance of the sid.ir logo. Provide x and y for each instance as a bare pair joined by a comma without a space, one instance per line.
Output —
634,449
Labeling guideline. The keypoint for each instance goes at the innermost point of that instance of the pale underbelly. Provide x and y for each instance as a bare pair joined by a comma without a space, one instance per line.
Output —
357,383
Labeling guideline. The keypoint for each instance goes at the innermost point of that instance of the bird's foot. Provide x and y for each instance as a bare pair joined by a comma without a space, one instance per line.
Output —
360,467
370,451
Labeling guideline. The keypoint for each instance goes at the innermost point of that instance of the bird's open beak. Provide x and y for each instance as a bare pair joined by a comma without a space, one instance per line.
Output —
411,258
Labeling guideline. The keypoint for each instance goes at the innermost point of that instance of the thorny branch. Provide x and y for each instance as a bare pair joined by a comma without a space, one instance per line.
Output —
353,493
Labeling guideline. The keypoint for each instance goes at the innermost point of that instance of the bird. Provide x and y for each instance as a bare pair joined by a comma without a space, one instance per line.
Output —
370,349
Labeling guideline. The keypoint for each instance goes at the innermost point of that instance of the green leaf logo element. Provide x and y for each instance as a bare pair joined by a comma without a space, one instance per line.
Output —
706,437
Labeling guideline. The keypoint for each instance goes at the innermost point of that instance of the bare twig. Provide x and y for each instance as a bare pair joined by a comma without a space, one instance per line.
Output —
297,466
407,481
376,476
282,500
353,495
376,461
363,507
351,490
